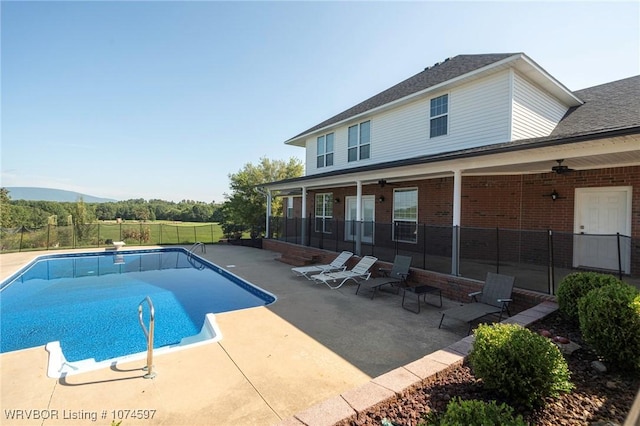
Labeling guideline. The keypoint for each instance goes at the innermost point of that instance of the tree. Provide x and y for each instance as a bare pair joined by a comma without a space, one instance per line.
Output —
6,220
82,218
246,207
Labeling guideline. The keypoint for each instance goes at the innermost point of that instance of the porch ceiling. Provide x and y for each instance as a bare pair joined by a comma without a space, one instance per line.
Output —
614,152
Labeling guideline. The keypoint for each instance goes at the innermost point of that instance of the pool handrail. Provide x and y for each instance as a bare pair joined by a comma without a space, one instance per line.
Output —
149,335
203,247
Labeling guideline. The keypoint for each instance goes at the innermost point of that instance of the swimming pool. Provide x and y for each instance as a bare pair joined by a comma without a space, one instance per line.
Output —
89,304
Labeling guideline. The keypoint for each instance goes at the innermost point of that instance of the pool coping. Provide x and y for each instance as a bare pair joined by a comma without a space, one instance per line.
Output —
358,400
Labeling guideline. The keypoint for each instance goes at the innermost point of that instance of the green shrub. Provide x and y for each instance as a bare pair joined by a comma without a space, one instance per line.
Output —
610,322
518,364
574,286
474,413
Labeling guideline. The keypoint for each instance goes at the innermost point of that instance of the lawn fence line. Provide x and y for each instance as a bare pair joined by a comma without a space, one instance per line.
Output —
103,234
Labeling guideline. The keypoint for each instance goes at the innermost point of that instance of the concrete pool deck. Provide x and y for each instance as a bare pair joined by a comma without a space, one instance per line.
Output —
309,347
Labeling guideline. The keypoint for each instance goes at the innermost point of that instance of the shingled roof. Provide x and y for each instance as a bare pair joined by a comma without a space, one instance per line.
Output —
431,76
609,106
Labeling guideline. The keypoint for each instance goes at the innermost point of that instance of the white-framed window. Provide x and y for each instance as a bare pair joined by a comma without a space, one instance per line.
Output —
439,116
289,207
405,215
324,212
359,141
324,151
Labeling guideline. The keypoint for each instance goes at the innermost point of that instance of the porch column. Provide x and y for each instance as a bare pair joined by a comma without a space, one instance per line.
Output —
457,208
268,219
359,222
303,231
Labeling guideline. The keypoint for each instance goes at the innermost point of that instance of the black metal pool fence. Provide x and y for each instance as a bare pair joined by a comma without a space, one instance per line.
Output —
99,234
538,258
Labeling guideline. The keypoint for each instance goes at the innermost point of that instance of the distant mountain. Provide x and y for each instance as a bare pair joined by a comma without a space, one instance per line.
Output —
49,194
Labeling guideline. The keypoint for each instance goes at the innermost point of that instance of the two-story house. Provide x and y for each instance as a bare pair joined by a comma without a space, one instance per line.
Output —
488,142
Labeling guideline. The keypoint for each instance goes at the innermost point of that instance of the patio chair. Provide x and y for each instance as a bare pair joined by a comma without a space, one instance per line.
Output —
397,275
359,272
493,299
338,264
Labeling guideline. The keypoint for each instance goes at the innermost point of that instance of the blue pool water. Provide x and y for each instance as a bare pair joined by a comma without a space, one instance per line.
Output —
89,302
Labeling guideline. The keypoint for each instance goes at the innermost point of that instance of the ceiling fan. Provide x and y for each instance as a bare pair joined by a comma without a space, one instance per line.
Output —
560,169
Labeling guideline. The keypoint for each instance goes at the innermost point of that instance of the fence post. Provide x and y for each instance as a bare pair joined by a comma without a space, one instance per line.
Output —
211,226
140,234
195,234
497,250
424,246
178,233
21,237
551,269
48,233
395,236
619,257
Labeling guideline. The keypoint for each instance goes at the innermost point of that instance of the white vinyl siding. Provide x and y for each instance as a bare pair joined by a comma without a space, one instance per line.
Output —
535,113
480,112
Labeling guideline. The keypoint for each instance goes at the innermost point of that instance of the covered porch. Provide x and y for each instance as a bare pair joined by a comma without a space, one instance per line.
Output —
507,206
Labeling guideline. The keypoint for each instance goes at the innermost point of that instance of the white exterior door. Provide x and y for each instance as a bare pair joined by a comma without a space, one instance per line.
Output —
601,213
368,216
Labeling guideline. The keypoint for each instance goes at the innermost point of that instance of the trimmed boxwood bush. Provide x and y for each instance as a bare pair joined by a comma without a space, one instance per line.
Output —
574,286
610,322
518,364
474,413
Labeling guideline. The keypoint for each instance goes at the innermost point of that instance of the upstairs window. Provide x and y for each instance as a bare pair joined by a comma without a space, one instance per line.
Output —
324,212
405,215
439,116
359,144
324,151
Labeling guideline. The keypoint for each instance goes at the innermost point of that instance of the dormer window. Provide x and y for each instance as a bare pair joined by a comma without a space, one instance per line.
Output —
439,116
359,141
325,151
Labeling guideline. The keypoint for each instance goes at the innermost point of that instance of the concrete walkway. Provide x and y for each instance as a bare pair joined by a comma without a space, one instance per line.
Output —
313,344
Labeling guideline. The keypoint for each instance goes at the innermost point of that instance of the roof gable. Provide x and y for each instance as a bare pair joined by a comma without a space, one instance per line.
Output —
429,77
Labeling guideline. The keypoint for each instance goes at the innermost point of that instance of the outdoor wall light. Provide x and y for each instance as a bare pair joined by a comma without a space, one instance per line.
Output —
554,195
337,200
381,198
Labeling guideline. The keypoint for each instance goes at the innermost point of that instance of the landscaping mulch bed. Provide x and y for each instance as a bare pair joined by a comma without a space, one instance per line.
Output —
598,398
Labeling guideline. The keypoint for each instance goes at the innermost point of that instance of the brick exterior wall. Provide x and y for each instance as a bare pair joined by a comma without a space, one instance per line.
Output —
507,202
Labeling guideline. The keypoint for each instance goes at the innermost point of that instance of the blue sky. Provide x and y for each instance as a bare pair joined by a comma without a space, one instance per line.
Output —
166,99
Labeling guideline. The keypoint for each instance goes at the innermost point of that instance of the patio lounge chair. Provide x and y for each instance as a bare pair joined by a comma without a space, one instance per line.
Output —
493,299
396,276
359,272
338,264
